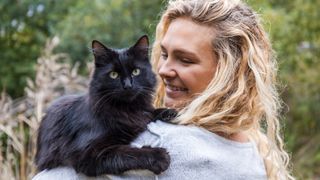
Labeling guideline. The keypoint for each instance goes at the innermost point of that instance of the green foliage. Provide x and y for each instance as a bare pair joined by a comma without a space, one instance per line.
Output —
25,25
294,29
117,23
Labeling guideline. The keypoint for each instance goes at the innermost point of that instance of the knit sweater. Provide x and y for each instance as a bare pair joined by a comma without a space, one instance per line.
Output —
195,154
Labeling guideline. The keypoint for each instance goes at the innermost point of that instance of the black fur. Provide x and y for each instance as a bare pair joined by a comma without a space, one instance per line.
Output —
92,132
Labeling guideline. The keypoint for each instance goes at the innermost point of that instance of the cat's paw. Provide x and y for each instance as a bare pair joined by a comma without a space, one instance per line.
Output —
164,114
159,159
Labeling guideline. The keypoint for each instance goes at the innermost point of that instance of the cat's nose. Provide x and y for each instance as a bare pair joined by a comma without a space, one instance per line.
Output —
127,84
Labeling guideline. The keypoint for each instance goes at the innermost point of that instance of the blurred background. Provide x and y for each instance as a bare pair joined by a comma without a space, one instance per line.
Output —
44,53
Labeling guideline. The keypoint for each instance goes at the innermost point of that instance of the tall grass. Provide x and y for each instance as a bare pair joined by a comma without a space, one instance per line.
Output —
20,118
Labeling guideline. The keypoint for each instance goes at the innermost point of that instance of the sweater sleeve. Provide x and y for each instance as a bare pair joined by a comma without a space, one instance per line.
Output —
199,154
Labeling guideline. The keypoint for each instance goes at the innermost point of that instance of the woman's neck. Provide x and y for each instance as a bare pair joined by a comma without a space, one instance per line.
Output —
238,137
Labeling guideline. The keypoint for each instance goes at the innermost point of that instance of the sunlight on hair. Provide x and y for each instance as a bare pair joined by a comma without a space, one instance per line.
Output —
242,96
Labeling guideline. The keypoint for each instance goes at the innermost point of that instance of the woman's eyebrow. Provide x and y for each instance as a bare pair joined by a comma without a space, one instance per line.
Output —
181,51
163,48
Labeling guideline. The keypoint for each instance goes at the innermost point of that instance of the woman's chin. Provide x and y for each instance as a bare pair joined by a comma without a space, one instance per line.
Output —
173,103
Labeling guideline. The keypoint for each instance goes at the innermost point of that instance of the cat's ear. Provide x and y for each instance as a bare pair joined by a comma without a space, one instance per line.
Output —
101,52
98,49
142,46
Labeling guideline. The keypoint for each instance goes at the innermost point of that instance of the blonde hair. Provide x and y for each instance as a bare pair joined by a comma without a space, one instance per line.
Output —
242,96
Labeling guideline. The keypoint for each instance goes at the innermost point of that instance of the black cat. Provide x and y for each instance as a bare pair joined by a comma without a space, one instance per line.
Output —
92,132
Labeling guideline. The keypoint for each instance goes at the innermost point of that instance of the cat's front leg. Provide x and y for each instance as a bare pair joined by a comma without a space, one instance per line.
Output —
158,160
164,114
120,158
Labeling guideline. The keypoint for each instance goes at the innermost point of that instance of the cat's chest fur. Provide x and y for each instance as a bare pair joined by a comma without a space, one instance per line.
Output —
123,124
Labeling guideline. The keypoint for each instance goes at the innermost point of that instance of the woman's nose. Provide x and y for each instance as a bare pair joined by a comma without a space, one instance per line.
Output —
166,69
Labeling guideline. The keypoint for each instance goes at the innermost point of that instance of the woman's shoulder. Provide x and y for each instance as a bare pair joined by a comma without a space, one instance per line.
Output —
196,152
160,133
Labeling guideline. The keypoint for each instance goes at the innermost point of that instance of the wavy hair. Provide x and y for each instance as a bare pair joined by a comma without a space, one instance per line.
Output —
242,96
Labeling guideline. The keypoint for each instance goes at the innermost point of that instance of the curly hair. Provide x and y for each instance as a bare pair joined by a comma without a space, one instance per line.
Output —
242,96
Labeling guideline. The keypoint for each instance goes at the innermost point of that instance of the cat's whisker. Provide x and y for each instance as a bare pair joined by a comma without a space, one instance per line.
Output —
97,103
103,100
146,93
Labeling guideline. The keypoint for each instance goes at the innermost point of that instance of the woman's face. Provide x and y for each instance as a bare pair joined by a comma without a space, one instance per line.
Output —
187,63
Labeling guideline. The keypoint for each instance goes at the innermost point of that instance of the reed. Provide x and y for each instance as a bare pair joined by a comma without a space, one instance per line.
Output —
20,118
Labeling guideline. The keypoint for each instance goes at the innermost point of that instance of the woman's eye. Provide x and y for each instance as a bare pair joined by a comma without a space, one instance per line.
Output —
113,75
136,72
186,61
163,55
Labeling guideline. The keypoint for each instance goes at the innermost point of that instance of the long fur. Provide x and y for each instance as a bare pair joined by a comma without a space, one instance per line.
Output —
92,132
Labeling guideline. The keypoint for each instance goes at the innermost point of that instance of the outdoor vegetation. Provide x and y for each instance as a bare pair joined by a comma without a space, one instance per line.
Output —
45,53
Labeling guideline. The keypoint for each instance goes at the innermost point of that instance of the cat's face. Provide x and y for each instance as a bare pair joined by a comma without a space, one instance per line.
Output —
125,74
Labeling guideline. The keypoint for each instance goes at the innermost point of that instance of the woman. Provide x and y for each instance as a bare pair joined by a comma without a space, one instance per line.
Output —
217,68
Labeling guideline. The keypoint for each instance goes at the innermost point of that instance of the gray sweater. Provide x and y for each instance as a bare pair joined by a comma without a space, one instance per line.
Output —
195,154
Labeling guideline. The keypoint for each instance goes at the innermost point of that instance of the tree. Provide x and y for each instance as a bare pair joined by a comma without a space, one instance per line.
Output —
295,33
25,25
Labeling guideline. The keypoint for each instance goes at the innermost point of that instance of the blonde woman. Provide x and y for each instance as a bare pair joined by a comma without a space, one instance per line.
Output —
216,67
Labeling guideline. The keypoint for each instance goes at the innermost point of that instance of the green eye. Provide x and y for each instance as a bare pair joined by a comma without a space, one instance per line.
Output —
113,74
136,72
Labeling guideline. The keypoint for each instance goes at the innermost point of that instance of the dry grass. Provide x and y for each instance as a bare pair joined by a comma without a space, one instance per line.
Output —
19,119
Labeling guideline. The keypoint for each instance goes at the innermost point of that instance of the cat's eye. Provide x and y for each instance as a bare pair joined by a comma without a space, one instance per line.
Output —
113,74
136,72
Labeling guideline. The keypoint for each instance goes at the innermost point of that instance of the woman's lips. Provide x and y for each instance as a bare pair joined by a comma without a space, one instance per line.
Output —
175,91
